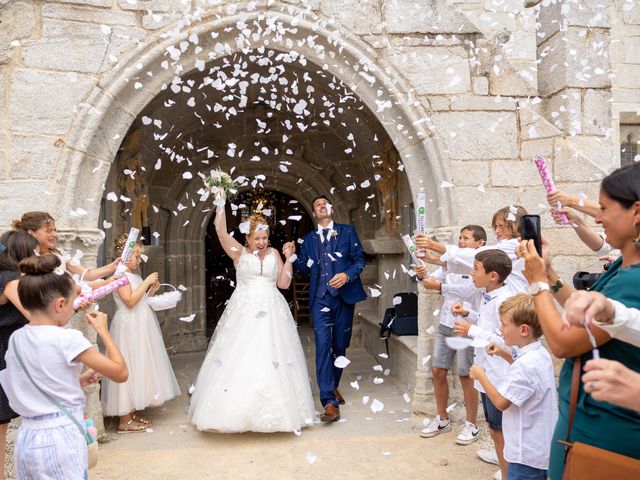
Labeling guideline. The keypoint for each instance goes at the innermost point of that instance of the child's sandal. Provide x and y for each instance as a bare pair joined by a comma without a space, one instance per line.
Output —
129,428
138,419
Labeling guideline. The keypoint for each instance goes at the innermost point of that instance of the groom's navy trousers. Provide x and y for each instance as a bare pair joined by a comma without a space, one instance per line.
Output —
332,309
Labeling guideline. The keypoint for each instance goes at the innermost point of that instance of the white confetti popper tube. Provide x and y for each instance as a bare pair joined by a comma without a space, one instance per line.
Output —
128,250
547,180
421,213
413,250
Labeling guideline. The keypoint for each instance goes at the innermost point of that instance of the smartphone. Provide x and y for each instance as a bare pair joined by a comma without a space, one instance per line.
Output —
530,230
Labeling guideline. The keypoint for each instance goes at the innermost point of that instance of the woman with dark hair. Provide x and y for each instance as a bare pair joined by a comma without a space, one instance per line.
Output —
14,247
596,423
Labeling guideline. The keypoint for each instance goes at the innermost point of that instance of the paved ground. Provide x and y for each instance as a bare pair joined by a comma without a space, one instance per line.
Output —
363,445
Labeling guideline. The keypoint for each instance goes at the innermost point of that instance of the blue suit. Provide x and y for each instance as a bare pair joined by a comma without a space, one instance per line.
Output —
331,309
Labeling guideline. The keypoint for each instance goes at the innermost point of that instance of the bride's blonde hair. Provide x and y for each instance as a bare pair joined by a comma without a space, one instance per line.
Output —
254,220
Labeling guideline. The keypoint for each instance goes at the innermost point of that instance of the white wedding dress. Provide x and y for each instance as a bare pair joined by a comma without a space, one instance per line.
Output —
254,376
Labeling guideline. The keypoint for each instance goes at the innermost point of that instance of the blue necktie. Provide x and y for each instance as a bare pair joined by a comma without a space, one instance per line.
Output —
325,234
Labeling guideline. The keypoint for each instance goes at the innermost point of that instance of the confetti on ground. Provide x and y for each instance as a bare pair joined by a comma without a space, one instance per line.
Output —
377,406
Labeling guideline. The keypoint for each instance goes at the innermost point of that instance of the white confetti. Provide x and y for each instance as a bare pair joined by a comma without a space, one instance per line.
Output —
365,399
446,184
311,457
355,385
397,301
374,292
425,360
451,407
457,343
341,362
406,397
188,319
377,406
431,329
383,355
378,380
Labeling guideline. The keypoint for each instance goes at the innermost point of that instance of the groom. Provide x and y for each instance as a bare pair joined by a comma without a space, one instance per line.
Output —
332,257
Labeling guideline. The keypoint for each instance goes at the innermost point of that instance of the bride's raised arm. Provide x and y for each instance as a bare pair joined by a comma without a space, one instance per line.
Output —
230,245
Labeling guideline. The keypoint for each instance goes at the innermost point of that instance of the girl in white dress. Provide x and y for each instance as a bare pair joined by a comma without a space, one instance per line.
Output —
136,331
254,376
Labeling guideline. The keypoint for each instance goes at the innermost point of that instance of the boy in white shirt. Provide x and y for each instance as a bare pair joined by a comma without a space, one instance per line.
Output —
527,395
455,285
490,270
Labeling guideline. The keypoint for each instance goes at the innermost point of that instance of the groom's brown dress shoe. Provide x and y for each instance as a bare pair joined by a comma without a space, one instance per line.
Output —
331,413
339,397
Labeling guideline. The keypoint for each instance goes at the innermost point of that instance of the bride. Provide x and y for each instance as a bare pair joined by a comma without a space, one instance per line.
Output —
254,376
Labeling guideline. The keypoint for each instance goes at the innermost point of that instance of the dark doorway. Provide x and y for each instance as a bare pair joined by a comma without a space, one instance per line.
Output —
288,220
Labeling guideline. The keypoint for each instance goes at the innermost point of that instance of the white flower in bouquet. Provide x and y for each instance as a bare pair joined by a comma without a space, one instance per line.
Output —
221,184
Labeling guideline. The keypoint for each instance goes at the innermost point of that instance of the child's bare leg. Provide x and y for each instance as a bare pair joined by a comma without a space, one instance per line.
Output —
470,398
498,441
441,390
3,443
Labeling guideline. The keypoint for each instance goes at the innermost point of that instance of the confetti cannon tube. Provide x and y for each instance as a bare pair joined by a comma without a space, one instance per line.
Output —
421,213
547,181
130,245
101,292
413,250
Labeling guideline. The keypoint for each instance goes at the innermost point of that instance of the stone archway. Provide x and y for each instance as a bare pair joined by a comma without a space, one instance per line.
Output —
110,109
113,106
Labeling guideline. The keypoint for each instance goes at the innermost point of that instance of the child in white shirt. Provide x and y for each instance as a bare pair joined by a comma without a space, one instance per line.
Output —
490,270
456,286
527,395
42,357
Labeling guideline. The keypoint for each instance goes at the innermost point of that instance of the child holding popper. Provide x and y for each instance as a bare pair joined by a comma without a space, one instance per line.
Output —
456,286
137,333
51,441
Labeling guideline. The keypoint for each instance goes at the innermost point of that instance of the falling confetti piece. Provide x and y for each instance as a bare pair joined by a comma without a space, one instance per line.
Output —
188,319
355,385
457,343
365,399
425,360
374,292
383,355
446,184
431,329
311,457
451,407
406,397
397,301
341,362
378,380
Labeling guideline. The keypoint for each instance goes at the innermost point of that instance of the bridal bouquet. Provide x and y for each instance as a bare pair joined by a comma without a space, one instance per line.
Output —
221,182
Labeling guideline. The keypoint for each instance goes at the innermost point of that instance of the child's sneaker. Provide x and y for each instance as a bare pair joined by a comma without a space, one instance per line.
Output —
468,434
436,427
488,456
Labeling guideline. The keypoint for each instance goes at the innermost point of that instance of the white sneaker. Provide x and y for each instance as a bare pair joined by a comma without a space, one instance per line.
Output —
468,434
435,428
488,456
497,475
